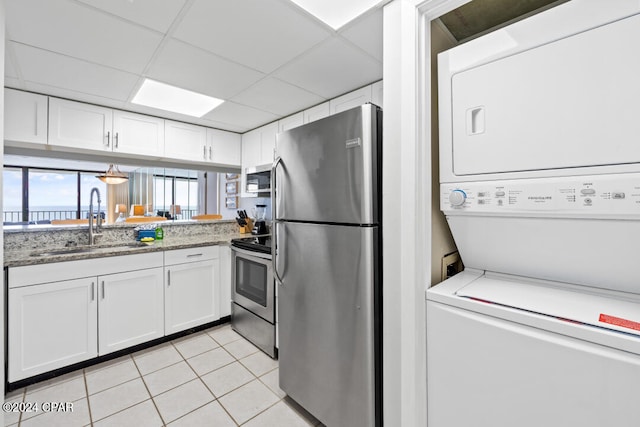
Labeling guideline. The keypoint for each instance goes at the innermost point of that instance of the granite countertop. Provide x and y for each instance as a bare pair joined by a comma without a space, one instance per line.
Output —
15,258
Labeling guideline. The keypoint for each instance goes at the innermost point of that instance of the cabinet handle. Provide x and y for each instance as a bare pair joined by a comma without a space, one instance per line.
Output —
108,138
103,289
204,152
115,139
209,153
193,255
93,291
168,278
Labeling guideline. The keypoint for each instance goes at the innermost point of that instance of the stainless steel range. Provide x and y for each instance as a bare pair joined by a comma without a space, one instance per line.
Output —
253,295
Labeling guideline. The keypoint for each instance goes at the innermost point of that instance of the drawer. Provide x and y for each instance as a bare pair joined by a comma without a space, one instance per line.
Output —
68,270
181,256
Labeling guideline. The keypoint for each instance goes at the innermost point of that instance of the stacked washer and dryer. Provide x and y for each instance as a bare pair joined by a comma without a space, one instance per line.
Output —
540,184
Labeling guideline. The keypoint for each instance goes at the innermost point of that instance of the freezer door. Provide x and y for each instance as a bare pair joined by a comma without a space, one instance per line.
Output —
328,170
328,348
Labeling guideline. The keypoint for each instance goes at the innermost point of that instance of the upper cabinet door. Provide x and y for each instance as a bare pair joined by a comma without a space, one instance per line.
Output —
316,113
291,122
185,142
25,117
224,147
138,134
350,100
268,143
77,125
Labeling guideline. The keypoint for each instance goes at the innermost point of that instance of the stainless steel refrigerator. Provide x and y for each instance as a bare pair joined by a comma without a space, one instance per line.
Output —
326,255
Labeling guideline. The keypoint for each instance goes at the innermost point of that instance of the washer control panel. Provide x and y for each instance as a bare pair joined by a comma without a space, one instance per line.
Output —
599,195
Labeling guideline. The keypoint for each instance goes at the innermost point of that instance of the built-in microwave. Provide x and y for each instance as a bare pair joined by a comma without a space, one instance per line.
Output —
258,179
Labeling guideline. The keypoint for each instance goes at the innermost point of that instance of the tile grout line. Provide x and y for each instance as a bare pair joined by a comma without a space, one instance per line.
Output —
149,391
86,390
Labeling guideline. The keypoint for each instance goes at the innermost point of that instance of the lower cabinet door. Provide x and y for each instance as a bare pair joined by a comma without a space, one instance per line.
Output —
131,309
191,295
50,326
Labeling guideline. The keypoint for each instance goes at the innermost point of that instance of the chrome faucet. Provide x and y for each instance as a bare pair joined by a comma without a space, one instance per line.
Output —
94,233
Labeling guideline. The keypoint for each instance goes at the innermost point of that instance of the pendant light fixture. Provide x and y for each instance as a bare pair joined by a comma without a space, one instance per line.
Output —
113,176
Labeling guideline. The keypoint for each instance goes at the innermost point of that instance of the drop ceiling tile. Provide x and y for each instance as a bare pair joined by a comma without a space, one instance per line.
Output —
223,126
142,109
70,74
366,33
73,95
261,34
192,68
332,69
156,14
278,97
240,115
82,32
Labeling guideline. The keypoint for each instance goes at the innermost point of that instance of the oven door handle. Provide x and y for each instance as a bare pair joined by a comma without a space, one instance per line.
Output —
251,253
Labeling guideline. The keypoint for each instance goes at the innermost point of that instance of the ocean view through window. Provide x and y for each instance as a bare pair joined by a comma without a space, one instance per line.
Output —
38,196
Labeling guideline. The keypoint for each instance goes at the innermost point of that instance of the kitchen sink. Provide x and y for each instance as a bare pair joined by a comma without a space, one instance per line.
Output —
89,249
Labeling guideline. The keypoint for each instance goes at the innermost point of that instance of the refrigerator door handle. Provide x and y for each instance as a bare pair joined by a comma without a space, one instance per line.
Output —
274,168
274,257
274,248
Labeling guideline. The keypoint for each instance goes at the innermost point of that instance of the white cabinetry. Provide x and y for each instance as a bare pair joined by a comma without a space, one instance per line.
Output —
267,143
82,126
251,147
78,125
291,122
223,148
257,150
137,134
185,142
51,325
54,318
350,100
316,113
131,309
192,288
225,281
25,117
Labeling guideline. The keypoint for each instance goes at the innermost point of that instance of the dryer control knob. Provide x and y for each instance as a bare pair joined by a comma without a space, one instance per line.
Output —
457,197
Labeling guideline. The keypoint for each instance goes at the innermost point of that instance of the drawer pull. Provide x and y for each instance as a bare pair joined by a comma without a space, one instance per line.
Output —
194,255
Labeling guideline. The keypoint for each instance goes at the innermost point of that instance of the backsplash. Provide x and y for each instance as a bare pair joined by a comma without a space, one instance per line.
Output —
51,238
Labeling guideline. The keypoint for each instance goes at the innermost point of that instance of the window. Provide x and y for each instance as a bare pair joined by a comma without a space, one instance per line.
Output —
87,182
175,190
12,195
52,195
38,195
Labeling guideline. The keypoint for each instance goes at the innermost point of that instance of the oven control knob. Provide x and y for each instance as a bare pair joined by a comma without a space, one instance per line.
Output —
457,197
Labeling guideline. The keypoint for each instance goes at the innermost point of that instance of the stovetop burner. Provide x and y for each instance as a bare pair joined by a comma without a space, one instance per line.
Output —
256,244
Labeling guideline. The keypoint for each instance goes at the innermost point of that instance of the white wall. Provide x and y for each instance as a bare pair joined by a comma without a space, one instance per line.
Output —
2,15
406,224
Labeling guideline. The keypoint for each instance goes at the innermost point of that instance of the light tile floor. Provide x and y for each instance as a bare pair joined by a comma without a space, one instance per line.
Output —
211,378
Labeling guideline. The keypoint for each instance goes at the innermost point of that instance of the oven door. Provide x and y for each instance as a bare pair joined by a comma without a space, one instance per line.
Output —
253,286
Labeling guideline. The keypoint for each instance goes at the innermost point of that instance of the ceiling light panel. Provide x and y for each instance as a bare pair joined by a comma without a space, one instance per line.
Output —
170,98
336,13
